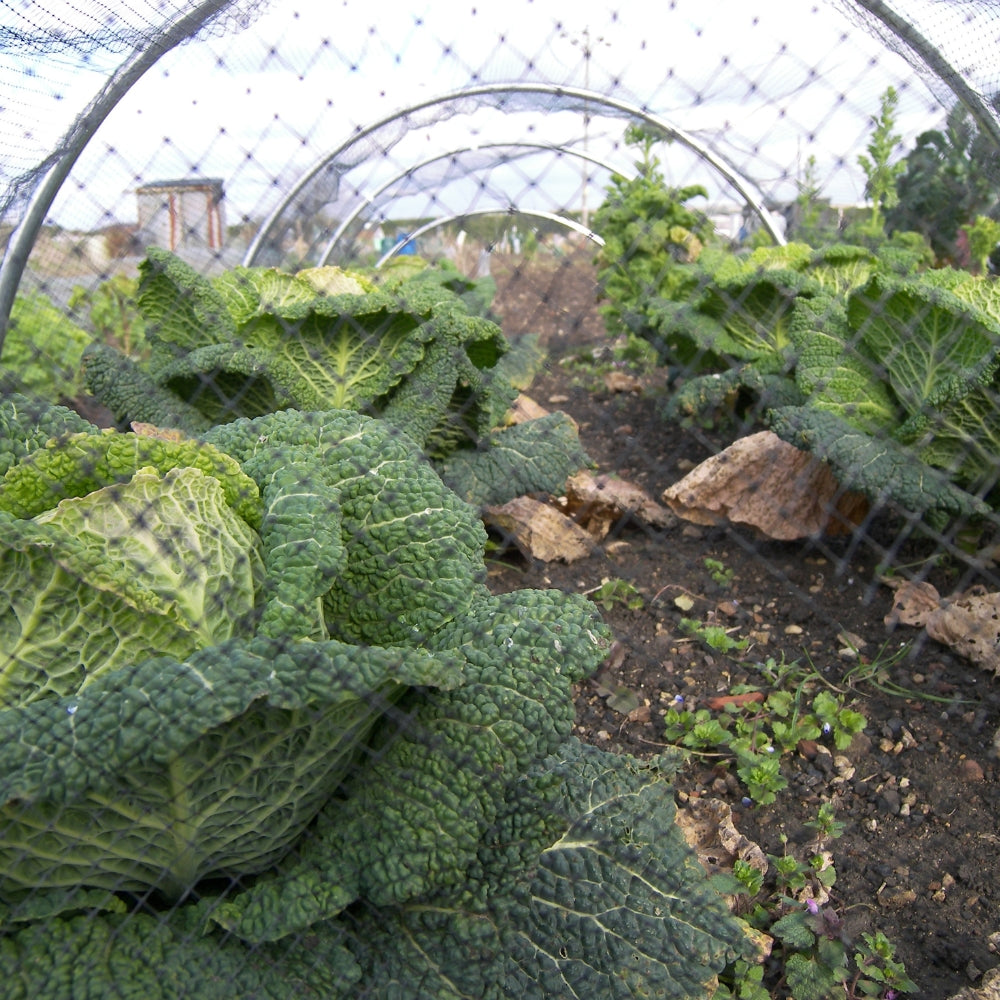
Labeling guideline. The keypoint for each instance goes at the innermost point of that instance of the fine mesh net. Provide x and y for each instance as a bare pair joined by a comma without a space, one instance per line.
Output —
482,489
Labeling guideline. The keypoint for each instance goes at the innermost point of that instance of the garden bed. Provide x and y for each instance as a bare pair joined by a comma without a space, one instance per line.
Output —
917,790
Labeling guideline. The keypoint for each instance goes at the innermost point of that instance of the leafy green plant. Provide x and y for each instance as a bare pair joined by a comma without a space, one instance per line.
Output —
112,314
948,180
717,637
719,572
812,957
649,231
477,294
880,172
732,333
255,340
879,972
753,729
614,592
984,235
42,351
813,222
225,597
889,378
317,759
908,413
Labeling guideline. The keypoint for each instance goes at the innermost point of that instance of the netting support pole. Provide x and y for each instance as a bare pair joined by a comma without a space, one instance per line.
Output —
455,155
937,63
23,238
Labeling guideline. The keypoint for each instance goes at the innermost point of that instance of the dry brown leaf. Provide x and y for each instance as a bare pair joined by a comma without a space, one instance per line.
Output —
770,485
621,382
524,408
540,531
598,502
708,827
913,602
151,430
970,624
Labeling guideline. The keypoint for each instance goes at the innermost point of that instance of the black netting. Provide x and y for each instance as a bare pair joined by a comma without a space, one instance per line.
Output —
498,503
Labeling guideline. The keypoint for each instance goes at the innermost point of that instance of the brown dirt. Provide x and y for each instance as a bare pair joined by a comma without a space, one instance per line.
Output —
918,859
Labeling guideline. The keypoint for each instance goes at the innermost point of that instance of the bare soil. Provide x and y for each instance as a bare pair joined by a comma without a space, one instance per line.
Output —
918,859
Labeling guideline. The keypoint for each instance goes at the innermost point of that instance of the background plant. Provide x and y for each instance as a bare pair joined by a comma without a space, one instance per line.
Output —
983,234
111,312
42,351
948,180
881,172
648,230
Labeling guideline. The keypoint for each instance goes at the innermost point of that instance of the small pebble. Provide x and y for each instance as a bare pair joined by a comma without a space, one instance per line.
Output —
972,770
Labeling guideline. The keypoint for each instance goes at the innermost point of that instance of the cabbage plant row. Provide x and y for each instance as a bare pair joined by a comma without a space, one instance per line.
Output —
889,373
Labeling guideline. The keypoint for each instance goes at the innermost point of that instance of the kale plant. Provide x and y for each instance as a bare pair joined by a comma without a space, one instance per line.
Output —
649,231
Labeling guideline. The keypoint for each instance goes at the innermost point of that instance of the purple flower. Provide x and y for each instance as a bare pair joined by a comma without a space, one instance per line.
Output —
812,906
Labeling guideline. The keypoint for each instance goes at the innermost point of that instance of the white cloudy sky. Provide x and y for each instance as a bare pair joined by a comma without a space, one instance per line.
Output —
767,84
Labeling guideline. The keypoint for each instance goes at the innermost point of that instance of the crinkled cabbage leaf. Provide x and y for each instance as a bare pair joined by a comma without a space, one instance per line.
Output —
160,774
154,565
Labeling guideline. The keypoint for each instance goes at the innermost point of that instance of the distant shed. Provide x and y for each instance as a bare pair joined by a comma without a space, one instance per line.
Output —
182,214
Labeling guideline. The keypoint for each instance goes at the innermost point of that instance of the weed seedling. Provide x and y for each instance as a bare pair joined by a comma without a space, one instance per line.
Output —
614,592
755,732
812,957
715,636
719,572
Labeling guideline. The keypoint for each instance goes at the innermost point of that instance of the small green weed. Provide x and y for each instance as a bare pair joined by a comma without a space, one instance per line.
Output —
715,636
614,592
812,957
755,728
719,572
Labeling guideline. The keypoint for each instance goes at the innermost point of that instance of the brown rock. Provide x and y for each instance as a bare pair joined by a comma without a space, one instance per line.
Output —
972,770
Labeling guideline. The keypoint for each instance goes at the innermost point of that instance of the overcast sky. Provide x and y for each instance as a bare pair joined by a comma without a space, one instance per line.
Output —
767,85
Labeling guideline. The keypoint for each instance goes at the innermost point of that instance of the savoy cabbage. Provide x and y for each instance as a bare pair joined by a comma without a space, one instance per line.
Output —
356,775
257,340
888,375
900,379
165,641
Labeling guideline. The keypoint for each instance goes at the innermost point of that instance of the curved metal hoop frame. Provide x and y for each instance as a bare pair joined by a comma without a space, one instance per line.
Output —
572,98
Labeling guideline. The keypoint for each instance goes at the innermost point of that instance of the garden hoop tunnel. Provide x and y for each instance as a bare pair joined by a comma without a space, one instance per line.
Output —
320,185
143,57
505,152
559,220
